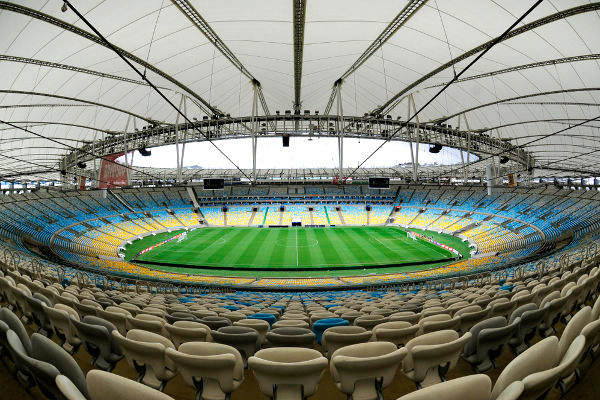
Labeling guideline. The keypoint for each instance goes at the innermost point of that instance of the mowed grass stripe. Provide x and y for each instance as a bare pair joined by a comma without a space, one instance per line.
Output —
305,247
248,258
350,240
386,254
329,246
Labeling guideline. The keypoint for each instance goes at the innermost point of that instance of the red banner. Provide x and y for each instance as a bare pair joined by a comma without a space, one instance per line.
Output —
82,182
112,173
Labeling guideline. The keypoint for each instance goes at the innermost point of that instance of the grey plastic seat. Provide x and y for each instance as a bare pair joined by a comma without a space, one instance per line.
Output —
215,370
397,332
405,316
20,357
96,334
291,337
472,387
51,361
215,322
555,310
471,315
438,322
339,336
288,374
487,341
60,316
106,386
542,356
531,316
592,338
261,326
432,355
362,371
289,323
179,316
188,331
145,352
574,328
540,383
38,315
116,316
370,321
246,340
14,323
147,322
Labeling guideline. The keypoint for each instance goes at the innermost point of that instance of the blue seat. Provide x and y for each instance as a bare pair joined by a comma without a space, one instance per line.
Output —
270,318
321,325
232,308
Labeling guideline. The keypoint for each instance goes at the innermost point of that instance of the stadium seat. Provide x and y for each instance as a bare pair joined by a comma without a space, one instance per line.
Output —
50,360
542,356
290,373
187,331
319,326
214,370
472,387
362,371
245,340
291,337
336,337
145,352
432,355
261,326
487,341
96,335
106,386
397,332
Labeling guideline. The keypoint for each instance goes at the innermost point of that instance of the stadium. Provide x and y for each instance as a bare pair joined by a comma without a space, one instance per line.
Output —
294,200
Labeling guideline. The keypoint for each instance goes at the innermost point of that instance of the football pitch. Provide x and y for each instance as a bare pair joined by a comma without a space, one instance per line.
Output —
298,251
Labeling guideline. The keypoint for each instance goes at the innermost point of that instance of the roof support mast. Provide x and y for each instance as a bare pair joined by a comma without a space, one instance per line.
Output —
194,16
408,11
299,20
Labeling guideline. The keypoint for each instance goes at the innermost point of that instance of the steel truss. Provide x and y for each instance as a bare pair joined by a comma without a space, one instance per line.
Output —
305,125
4,5
403,16
393,101
195,18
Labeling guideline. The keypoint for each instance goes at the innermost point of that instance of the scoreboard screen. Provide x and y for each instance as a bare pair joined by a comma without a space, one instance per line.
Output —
379,183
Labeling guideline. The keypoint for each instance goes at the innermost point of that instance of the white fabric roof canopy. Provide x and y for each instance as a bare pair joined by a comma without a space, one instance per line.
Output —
84,89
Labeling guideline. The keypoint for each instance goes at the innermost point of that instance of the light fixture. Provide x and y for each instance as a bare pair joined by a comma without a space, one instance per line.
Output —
81,164
64,7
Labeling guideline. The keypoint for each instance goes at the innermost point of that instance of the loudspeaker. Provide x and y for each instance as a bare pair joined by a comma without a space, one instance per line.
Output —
254,209
368,207
225,209
281,208
286,140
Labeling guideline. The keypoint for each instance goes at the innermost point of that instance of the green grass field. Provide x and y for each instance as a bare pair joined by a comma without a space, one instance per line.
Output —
267,250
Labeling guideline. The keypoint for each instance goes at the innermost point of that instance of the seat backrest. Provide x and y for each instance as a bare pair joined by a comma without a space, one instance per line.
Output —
425,357
292,371
148,349
573,328
539,357
14,323
520,310
472,387
187,331
213,363
494,322
538,383
46,350
340,336
365,361
106,386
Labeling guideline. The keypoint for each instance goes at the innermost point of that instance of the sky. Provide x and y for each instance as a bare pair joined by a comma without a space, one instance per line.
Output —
302,153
